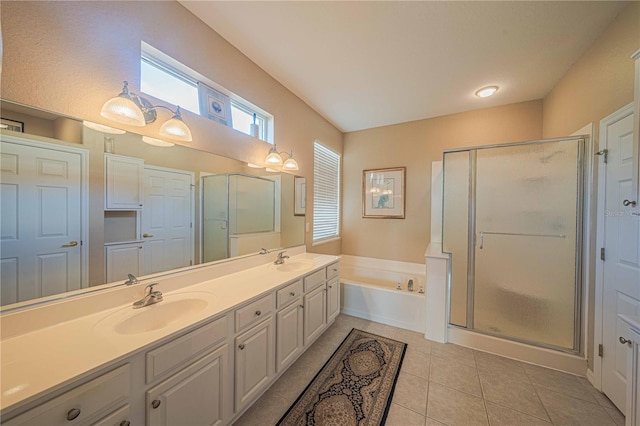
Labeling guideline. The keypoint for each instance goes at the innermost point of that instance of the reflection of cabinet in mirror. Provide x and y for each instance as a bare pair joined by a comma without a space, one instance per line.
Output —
156,232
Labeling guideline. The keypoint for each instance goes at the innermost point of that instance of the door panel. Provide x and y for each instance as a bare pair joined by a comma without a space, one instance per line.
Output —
621,292
41,221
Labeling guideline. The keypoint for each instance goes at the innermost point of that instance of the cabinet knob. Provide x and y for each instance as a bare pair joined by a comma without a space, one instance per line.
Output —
624,341
125,423
241,346
335,270
155,403
140,205
258,313
73,414
292,294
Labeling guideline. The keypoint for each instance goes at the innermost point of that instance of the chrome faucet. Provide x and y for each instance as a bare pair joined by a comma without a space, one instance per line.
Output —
264,251
151,297
132,280
280,259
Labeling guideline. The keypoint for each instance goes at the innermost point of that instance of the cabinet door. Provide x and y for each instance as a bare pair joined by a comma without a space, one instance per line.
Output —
333,299
199,395
315,314
123,182
123,259
289,334
254,362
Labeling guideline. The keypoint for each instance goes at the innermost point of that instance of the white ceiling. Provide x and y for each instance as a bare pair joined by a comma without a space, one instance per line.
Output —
370,64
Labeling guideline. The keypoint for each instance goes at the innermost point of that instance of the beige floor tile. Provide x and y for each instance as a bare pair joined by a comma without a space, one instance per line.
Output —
598,396
453,407
415,341
449,350
502,416
557,381
291,384
514,394
411,393
416,363
451,373
400,416
348,322
500,366
616,415
266,411
431,422
565,410
382,330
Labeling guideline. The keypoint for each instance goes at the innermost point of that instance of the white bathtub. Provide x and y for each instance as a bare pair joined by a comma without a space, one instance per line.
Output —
369,291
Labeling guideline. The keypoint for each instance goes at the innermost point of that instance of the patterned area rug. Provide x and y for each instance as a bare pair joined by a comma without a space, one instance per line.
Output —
354,387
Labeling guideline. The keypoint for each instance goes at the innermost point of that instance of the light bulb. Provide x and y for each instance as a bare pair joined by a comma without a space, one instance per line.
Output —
485,92
122,109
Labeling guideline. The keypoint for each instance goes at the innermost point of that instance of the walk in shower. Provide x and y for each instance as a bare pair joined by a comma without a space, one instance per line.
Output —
240,215
512,224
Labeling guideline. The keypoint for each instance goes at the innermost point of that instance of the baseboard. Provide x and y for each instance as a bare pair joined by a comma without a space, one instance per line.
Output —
377,318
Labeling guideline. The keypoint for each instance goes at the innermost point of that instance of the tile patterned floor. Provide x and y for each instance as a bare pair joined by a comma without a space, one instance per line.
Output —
450,385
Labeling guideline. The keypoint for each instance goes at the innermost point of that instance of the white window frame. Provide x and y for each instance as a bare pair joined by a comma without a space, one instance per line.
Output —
326,193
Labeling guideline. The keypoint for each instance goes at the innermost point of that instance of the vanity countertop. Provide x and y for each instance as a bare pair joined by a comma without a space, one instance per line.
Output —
48,358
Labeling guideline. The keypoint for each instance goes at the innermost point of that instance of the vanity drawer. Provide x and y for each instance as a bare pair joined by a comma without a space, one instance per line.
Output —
312,281
254,312
181,351
290,292
333,270
81,404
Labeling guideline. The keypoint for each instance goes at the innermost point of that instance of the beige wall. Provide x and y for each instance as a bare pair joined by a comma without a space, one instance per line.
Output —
415,145
599,83
69,57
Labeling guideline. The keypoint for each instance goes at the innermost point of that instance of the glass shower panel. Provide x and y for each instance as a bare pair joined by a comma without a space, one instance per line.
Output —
526,210
252,204
215,218
455,229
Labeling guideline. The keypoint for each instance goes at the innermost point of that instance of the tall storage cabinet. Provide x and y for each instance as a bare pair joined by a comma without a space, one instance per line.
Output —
123,182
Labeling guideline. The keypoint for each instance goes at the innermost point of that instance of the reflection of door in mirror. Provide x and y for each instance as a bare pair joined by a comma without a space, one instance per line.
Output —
42,219
167,218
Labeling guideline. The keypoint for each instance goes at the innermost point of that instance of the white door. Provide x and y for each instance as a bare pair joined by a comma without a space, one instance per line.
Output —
41,212
621,268
167,219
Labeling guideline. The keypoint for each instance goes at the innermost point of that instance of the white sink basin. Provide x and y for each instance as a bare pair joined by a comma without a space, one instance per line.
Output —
296,266
174,308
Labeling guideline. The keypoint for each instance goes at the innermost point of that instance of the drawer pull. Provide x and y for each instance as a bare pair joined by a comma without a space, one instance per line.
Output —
125,423
292,294
155,403
330,286
73,414
335,270
258,313
241,346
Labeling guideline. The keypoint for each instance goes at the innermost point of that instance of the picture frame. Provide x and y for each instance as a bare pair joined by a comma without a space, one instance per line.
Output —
214,104
299,196
383,193
13,125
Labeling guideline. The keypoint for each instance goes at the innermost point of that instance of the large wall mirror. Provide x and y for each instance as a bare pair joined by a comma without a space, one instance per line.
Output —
81,207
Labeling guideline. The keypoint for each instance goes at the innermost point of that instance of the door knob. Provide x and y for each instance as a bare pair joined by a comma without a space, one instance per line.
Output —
147,235
628,203
70,244
624,341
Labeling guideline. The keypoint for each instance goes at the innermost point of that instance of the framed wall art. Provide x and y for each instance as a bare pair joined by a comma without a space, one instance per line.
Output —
214,105
16,126
383,193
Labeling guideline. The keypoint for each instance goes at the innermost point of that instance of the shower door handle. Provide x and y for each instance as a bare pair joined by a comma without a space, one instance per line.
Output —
481,240
223,224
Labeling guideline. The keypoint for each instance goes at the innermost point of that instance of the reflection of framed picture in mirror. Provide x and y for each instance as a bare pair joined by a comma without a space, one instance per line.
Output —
215,105
299,196
13,125
383,193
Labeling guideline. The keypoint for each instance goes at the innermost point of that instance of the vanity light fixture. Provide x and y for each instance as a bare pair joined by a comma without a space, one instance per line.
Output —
274,158
156,142
133,110
102,128
485,92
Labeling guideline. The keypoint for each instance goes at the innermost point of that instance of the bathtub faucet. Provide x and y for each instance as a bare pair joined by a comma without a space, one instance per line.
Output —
410,285
281,257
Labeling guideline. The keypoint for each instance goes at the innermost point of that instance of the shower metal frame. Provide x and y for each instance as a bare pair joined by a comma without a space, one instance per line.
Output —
578,348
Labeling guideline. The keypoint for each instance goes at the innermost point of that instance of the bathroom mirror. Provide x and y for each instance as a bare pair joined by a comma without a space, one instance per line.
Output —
195,207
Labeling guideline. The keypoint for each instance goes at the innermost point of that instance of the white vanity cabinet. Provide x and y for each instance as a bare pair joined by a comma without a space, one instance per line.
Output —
123,182
289,332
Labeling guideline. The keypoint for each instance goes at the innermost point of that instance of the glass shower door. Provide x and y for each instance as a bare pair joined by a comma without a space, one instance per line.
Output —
215,218
526,219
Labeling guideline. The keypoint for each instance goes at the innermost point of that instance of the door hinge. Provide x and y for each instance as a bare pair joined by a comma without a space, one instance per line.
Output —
600,350
190,224
604,153
602,253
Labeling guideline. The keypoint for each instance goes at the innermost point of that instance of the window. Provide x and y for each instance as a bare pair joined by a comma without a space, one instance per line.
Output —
165,78
326,193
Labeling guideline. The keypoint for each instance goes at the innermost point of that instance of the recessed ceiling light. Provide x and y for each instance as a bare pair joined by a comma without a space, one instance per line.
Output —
485,92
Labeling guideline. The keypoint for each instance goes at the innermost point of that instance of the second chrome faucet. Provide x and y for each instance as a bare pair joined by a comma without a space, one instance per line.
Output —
280,258
151,297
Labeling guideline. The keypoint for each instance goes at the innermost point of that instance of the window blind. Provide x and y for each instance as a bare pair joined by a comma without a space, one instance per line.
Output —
326,193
